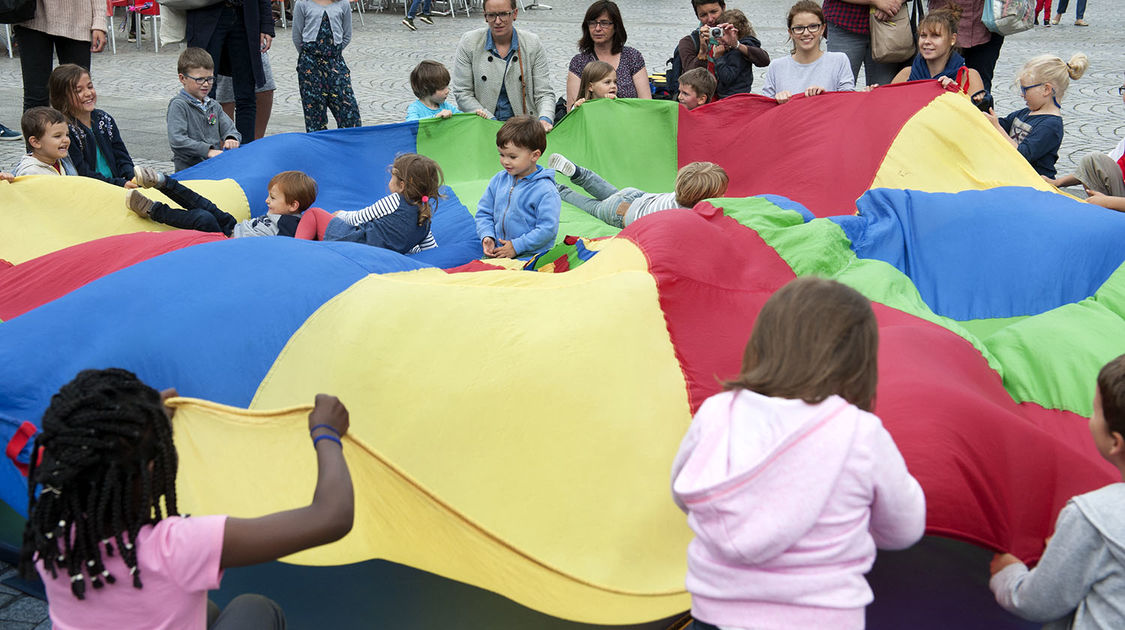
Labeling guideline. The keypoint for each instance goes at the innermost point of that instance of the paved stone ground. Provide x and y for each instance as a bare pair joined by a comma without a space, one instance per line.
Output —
135,85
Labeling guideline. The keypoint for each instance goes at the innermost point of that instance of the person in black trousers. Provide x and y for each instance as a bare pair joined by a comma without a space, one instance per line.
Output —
235,32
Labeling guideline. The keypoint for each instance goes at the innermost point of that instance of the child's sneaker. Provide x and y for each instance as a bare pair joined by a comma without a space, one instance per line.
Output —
147,177
409,23
138,203
561,164
426,18
9,134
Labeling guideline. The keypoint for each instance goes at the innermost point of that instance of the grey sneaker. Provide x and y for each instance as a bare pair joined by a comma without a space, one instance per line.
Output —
426,18
409,23
147,177
561,164
138,203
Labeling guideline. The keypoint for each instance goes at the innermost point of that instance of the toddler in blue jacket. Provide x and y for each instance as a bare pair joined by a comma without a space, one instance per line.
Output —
519,213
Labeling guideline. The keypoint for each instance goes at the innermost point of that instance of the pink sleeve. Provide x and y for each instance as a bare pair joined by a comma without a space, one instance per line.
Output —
898,512
190,549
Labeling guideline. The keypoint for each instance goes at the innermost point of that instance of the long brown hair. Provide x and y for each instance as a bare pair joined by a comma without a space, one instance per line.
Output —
593,12
422,179
61,86
812,339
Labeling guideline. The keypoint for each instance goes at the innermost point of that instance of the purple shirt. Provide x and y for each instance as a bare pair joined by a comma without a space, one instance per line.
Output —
630,62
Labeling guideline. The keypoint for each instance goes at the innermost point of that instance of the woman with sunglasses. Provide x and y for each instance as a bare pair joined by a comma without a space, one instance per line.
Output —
809,69
1036,131
603,39
502,70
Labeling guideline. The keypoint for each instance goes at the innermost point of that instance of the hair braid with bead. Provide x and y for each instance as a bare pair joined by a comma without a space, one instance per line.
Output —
103,466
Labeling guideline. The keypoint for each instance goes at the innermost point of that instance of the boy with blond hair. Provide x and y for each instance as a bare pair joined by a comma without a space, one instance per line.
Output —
519,212
198,128
694,183
1079,582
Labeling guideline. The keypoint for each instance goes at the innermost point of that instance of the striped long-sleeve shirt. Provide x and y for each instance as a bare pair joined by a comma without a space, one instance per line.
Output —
380,209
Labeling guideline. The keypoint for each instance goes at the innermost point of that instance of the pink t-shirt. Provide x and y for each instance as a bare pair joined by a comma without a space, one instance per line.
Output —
179,562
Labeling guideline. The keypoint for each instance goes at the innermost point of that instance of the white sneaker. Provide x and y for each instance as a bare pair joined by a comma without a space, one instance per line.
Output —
561,164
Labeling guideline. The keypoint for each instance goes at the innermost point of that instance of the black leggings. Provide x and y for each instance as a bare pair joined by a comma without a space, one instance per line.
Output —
37,52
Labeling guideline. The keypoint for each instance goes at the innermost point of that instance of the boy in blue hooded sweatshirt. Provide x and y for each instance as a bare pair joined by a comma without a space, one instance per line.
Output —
519,213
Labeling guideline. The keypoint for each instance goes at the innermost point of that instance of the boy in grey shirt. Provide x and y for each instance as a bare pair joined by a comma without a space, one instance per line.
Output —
198,128
1080,580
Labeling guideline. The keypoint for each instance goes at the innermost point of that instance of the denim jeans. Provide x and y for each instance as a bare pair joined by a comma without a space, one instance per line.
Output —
413,12
198,213
982,58
858,49
606,198
1079,9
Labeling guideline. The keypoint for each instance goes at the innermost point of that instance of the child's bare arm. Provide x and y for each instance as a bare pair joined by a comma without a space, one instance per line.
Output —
1106,201
328,518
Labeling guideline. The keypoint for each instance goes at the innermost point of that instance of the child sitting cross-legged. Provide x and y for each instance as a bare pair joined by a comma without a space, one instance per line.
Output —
429,81
694,183
519,212
49,137
1080,580
790,483
399,222
290,193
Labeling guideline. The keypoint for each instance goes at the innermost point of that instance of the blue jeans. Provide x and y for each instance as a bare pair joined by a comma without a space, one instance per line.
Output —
606,198
1079,9
198,213
858,50
426,8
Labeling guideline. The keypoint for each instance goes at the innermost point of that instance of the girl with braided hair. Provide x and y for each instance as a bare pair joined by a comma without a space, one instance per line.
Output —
102,508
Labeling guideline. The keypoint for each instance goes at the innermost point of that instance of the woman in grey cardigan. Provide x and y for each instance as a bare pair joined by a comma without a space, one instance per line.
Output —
502,71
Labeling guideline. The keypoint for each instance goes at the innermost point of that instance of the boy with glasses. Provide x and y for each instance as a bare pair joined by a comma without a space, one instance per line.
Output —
197,126
503,71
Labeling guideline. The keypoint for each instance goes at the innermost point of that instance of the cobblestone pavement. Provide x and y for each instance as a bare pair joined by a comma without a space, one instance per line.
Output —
135,85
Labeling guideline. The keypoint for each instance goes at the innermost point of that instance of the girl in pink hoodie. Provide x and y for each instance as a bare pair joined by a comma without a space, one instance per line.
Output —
788,481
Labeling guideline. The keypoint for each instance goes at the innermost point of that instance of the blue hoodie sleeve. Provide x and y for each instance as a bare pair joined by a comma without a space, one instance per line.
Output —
545,205
486,223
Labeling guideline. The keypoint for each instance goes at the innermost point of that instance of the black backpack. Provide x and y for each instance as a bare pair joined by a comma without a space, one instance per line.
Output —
670,89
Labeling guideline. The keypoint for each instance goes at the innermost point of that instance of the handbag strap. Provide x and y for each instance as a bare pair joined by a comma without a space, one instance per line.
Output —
523,85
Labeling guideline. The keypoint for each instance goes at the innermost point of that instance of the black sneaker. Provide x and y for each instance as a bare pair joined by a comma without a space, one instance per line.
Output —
409,23
426,18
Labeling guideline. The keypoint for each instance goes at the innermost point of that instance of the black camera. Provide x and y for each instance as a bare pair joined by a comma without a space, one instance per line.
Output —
983,100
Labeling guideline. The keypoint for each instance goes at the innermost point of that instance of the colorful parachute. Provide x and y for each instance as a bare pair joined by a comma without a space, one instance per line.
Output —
514,430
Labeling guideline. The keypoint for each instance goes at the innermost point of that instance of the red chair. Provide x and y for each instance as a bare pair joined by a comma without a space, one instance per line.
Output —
110,6
147,8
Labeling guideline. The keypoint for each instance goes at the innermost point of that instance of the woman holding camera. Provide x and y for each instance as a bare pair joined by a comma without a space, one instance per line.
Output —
808,69
603,39
938,59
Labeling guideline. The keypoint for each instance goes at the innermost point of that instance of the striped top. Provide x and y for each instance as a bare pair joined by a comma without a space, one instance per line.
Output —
73,19
384,207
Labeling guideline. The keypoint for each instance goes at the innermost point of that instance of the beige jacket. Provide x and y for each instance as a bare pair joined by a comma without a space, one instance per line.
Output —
73,19
478,73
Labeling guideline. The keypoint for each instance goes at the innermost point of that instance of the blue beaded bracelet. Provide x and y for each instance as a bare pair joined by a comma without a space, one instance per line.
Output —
324,426
327,437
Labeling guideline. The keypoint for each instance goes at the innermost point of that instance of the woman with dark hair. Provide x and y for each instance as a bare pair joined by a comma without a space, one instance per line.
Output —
603,39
